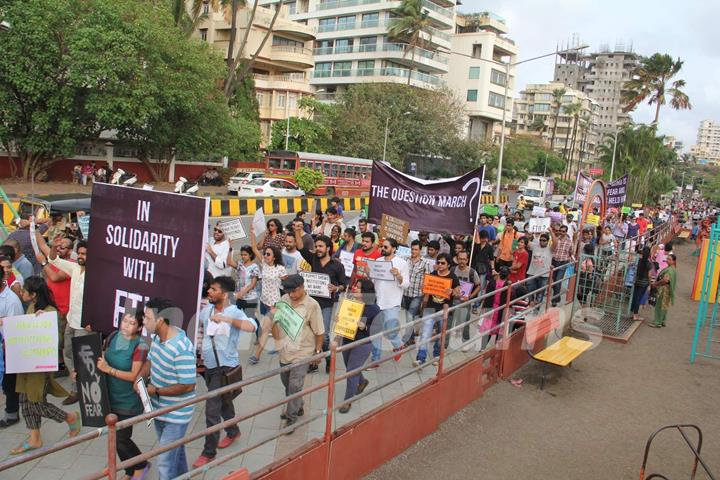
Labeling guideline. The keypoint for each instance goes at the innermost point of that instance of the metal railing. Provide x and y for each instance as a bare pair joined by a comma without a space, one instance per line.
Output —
381,72
445,12
695,449
292,49
343,3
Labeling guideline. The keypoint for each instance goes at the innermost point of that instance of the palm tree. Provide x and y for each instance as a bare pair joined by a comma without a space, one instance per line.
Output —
538,124
584,130
558,95
571,110
650,80
412,21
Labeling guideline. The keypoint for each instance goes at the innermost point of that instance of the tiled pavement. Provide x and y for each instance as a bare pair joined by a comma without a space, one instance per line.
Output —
73,463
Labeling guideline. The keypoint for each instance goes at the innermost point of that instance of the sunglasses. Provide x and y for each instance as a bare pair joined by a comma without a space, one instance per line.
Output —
267,254
217,230
441,263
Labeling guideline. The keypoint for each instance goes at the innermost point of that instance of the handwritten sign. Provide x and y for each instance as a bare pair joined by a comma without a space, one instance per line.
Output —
403,252
258,222
539,225
626,210
391,227
380,270
31,343
346,258
538,211
491,210
436,286
592,219
289,320
233,229
637,205
317,284
556,217
83,222
91,383
466,288
349,315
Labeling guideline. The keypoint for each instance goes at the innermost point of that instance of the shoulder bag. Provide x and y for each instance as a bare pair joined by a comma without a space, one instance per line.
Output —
228,378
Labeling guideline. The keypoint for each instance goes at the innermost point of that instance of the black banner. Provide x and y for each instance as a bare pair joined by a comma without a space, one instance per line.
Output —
617,192
143,244
440,206
91,383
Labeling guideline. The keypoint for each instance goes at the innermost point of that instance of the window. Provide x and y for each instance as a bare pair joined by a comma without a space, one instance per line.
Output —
474,73
346,23
370,20
343,45
206,8
542,107
495,100
288,164
286,41
203,34
326,169
342,69
567,98
323,47
497,77
323,69
292,8
368,44
292,101
543,96
260,96
477,51
472,95
366,68
326,24
272,163
280,99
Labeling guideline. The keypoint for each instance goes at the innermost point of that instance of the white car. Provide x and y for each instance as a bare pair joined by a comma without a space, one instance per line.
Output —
486,187
270,187
238,180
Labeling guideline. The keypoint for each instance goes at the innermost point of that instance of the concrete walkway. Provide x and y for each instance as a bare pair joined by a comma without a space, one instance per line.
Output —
592,420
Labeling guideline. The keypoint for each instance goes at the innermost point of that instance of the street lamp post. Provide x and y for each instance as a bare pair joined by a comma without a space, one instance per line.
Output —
387,124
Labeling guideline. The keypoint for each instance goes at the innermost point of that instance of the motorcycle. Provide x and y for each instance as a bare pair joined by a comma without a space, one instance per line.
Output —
186,188
121,177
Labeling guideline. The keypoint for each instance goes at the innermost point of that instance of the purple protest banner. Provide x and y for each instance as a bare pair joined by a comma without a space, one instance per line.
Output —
617,192
581,187
441,206
143,244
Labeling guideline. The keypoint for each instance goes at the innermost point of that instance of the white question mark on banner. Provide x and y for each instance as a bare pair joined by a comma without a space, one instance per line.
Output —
476,181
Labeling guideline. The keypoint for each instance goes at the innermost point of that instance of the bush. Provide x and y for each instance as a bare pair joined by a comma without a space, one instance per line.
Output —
308,179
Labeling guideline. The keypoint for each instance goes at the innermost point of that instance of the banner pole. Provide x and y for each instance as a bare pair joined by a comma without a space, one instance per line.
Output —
477,216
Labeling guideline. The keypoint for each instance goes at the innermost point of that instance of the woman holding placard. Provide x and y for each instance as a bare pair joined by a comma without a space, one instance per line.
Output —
34,387
363,291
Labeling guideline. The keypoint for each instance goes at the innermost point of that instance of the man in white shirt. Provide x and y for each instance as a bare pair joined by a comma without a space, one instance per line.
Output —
10,306
216,253
539,269
74,327
293,259
389,297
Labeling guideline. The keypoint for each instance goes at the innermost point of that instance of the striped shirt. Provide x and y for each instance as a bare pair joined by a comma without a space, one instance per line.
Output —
172,363
417,274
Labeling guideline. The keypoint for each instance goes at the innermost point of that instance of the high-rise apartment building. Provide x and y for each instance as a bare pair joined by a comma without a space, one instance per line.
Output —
574,138
352,44
477,74
601,75
282,68
707,149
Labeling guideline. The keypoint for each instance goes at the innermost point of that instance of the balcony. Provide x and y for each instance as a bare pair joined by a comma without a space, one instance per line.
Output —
337,27
300,56
343,3
387,74
296,81
404,52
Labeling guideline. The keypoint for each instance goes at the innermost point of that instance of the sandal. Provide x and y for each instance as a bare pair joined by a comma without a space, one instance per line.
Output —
75,426
24,448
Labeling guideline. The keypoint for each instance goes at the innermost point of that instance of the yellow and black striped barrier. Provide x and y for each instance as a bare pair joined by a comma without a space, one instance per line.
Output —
488,198
235,207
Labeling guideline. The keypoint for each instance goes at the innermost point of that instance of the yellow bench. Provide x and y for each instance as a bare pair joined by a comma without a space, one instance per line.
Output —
560,353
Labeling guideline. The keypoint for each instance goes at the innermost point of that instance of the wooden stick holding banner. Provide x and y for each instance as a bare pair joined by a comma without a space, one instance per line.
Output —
348,318
437,286
31,343
380,270
477,217
316,284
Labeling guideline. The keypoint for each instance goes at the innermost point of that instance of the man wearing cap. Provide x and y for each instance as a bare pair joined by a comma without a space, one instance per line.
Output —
309,342
216,253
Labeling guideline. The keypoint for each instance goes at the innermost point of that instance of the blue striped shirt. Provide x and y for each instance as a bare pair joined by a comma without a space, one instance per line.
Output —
172,363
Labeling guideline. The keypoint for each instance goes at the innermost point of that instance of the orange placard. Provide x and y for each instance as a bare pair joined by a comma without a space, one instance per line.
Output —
436,286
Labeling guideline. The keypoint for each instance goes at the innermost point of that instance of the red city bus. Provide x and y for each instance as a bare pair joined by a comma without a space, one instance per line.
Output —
344,176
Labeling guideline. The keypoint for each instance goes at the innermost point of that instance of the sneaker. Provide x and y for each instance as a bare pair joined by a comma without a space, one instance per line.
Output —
253,360
300,413
345,408
398,356
363,385
9,422
73,398
288,424
202,460
417,363
468,347
227,441
372,367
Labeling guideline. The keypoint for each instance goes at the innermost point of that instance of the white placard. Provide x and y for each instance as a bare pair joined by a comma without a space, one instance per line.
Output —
538,211
233,229
380,270
259,223
317,284
31,343
346,258
403,252
33,238
539,225
144,397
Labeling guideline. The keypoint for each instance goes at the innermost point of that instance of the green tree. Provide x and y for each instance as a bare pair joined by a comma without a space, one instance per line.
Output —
652,81
308,179
411,22
305,134
557,95
526,155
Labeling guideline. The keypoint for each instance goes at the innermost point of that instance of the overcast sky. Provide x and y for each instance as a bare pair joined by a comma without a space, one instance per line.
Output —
688,30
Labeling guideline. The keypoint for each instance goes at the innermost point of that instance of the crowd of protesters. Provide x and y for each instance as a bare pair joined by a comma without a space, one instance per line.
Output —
244,289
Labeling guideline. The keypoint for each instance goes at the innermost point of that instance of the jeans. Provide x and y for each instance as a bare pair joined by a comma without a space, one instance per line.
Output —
460,316
172,463
638,292
387,319
293,380
12,399
539,284
427,330
355,358
327,321
558,273
126,448
411,305
217,410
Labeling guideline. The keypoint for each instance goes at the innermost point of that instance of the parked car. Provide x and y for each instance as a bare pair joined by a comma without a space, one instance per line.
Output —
523,186
270,187
237,180
487,187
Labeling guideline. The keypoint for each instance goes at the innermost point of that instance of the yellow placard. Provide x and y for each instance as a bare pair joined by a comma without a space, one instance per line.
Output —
349,315
593,219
